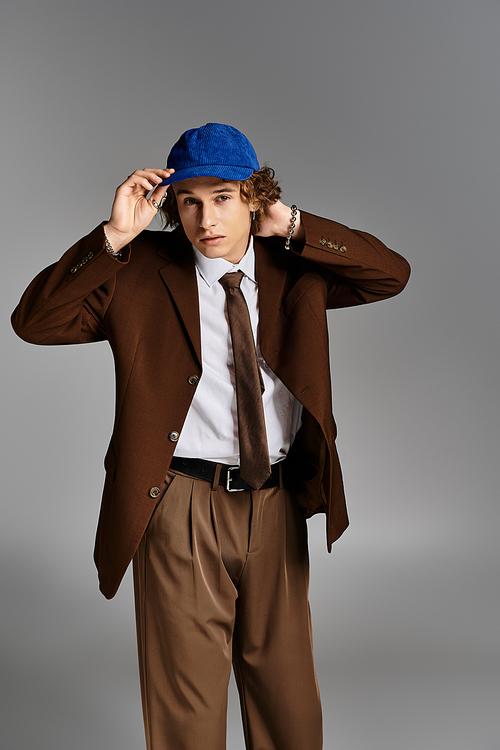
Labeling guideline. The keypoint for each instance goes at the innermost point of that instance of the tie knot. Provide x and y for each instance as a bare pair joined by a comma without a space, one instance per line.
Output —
231,280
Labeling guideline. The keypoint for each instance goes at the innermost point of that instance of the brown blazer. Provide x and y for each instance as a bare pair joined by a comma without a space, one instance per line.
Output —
146,306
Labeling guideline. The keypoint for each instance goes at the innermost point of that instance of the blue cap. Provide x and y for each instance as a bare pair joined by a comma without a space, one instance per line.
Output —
213,150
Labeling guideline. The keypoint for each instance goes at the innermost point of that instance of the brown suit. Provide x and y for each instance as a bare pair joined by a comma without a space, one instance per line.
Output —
146,306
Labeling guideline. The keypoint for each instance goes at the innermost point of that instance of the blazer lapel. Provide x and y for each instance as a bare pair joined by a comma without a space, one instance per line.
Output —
179,276
271,272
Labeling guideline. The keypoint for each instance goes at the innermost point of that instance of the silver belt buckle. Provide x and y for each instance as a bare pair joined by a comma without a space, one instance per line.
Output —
229,480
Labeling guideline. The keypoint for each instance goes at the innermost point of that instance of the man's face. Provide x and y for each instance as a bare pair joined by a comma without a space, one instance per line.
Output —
215,217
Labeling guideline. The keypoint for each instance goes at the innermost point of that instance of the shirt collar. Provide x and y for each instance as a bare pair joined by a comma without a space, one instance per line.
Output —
213,269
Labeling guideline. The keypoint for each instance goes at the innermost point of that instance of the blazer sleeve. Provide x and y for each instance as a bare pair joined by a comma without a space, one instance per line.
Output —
66,303
361,268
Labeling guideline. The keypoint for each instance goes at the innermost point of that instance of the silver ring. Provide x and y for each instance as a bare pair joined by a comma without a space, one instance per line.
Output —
163,200
155,204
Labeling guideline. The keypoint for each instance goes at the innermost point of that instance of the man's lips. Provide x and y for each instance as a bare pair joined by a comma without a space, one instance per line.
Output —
212,239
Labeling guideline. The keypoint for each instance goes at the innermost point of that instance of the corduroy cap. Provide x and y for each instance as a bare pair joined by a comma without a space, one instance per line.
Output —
213,150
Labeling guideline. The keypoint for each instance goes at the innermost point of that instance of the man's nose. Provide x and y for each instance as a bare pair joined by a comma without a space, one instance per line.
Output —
207,217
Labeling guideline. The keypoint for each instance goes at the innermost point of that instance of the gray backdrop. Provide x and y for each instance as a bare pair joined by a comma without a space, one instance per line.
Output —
381,114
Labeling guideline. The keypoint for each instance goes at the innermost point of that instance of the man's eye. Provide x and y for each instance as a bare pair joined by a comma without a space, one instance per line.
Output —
223,198
189,202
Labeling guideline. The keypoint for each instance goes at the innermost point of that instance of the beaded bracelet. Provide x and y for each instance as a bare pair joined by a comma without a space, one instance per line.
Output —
292,227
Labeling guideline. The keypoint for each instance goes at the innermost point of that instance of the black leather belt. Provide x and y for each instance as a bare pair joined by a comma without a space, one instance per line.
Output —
229,475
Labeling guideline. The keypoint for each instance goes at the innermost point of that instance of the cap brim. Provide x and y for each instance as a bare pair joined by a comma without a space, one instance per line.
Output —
209,170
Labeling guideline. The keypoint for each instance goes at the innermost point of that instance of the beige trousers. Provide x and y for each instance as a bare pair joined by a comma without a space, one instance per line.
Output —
222,578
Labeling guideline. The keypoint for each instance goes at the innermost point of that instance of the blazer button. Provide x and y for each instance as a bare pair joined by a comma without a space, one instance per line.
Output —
174,436
342,249
154,491
193,380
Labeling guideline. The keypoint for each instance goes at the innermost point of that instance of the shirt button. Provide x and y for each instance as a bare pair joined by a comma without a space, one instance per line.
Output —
154,491
193,380
174,436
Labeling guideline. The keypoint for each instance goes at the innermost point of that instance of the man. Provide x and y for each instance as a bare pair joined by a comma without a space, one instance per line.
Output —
224,438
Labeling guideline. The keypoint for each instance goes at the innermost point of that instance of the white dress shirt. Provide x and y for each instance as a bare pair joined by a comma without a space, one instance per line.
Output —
211,427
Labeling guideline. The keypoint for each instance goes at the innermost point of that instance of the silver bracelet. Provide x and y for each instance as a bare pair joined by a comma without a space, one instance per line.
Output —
109,247
292,226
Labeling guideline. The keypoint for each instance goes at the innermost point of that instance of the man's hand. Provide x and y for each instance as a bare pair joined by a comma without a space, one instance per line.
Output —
132,211
278,221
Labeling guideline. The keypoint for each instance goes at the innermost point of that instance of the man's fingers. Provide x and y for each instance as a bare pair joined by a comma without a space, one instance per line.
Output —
158,197
148,178
150,170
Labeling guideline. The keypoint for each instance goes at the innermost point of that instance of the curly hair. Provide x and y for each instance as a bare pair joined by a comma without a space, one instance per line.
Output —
261,189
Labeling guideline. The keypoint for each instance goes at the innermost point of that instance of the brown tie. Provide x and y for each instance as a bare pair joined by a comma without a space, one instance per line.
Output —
254,453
